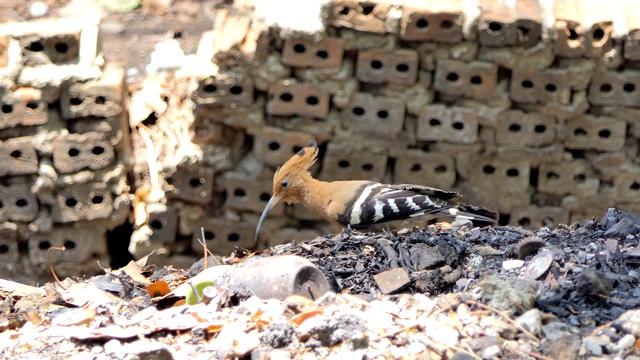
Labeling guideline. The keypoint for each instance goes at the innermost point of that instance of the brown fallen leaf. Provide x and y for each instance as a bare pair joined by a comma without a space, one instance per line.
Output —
302,317
158,288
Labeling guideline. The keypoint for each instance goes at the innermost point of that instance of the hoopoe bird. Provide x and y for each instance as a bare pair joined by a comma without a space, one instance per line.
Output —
359,203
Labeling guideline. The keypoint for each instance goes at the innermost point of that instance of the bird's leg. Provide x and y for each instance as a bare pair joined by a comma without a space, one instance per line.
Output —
345,233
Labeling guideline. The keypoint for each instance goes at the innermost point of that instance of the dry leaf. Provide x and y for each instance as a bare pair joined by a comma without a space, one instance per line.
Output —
158,288
302,317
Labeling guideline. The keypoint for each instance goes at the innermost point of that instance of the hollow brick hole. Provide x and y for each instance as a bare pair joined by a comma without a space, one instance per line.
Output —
156,224
196,182
61,47
299,48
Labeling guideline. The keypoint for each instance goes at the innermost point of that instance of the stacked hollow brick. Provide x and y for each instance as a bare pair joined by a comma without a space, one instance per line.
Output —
531,110
63,146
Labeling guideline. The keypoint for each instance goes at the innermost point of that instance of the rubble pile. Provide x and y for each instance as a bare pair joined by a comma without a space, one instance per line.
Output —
564,293
64,147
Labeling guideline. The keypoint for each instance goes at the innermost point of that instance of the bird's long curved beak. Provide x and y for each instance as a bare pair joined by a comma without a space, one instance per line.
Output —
272,202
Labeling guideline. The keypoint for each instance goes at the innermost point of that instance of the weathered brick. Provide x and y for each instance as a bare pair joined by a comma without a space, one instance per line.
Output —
632,38
323,54
376,115
195,185
426,168
583,28
363,15
18,156
75,152
504,25
543,86
344,164
377,66
275,146
510,172
223,235
163,222
23,106
247,194
627,186
103,97
475,79
536,217
450,124
289,97
225,89
80,242
17,201
88,201
615,88
567,178
432,20
596,133
9,252
516,127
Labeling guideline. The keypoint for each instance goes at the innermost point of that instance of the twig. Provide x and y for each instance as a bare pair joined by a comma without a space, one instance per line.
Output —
204,244
505,316
53,272
619,301
600,328
537,356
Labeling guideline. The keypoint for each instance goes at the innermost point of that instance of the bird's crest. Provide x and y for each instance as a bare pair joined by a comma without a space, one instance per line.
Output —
300,162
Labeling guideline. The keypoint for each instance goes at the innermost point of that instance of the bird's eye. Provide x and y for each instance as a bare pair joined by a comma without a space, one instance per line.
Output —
284,184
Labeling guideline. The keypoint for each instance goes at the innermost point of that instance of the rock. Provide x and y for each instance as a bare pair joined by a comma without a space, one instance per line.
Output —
279,334
622,228
626,342
592,283
428,257
502,294
512,264
300,304
593,345
392,280
530,321
494,327
331,330
560,341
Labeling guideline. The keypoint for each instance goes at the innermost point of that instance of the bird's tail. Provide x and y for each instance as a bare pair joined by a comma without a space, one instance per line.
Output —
474,213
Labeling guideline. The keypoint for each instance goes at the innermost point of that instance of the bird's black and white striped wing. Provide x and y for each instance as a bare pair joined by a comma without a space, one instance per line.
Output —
378,203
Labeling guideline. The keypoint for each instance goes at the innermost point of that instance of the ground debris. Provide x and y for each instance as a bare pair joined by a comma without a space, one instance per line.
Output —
465,295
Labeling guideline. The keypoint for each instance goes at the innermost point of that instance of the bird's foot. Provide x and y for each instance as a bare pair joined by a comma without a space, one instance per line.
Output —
345,233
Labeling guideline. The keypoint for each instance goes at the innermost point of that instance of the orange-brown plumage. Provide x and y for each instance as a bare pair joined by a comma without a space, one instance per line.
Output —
360,203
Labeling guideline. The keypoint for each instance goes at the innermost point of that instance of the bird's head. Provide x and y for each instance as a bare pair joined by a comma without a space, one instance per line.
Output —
289,180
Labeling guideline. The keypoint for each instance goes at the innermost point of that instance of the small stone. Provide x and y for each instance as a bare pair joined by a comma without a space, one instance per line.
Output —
593,345
594,284
530,321
495,327
428,257
512,264
392,280
490,352
621,229
300,304
626,342
502,294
